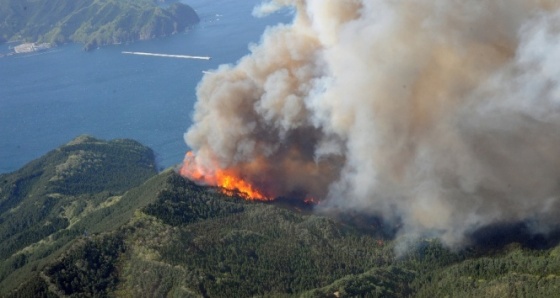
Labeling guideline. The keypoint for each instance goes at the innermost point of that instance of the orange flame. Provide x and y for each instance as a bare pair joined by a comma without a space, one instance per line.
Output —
227,180
311,201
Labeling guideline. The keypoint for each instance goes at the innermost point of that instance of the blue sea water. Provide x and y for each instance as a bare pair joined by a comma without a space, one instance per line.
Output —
49,98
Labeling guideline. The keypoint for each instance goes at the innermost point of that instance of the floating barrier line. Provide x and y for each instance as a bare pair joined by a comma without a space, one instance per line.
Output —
168,55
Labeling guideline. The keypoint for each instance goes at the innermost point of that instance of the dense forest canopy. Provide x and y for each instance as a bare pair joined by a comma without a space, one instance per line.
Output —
91,22
79,221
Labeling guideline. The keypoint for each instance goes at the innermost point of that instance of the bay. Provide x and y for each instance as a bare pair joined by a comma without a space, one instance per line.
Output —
49,98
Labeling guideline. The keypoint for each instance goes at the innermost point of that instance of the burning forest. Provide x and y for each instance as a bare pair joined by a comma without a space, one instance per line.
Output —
441,116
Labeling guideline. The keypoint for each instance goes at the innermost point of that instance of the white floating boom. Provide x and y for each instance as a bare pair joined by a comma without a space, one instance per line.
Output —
168,56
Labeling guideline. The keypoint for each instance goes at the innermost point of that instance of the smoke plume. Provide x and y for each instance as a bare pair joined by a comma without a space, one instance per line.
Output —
441,115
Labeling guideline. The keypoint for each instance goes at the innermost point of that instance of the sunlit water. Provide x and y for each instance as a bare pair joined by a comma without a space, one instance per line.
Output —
48,98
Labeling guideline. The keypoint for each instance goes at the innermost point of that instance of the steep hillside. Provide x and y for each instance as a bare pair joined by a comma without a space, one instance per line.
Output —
93,23
171,237
193,240
62,195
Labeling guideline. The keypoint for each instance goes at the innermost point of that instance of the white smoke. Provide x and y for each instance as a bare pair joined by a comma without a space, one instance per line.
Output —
443,115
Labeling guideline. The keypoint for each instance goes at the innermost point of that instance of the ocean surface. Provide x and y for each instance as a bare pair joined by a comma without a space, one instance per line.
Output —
49,98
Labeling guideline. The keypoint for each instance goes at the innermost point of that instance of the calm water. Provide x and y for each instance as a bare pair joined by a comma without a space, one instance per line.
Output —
47,99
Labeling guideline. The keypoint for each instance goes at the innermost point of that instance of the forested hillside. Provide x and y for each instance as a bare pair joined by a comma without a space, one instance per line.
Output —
171,237
91,22
62,196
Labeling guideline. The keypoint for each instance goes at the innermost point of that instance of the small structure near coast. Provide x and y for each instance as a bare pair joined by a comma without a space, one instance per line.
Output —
31,47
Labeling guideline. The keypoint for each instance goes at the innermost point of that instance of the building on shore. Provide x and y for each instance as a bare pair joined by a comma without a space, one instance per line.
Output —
31,47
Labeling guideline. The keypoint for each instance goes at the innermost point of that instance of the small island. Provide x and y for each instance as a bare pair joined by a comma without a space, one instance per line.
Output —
92,23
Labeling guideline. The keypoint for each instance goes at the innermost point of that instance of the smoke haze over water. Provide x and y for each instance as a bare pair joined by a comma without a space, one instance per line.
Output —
442,115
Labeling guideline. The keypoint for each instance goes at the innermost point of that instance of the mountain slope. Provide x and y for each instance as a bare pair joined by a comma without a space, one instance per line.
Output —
193,240
171,237
56,198
93,23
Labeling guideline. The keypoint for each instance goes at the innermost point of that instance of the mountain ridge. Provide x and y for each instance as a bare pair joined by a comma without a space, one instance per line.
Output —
55,198
164,235
91,23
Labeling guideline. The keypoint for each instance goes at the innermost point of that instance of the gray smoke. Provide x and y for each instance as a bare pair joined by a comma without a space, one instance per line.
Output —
443,115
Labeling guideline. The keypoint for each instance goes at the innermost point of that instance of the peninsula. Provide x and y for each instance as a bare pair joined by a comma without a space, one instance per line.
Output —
91,23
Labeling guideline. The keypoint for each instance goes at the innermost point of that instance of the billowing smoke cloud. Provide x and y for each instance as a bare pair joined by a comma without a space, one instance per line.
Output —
442,115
